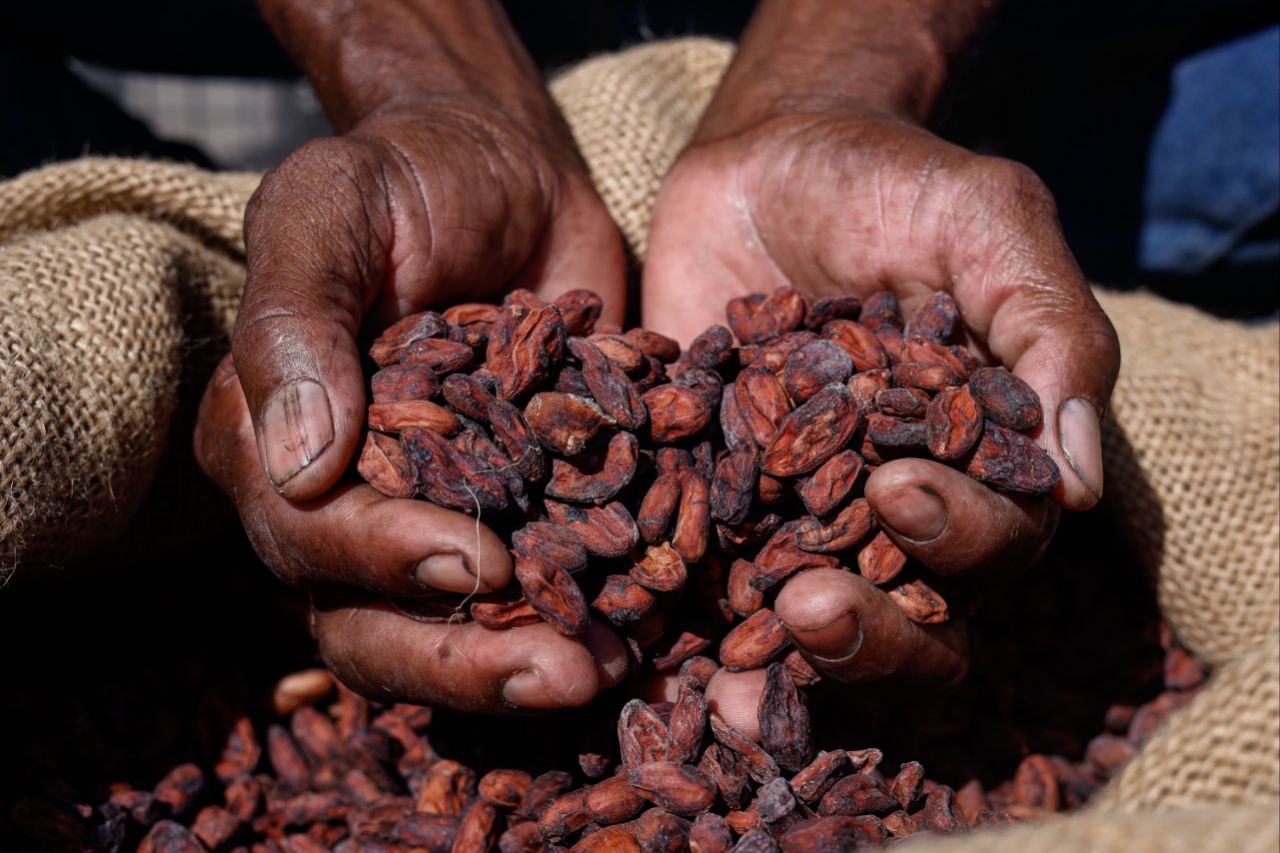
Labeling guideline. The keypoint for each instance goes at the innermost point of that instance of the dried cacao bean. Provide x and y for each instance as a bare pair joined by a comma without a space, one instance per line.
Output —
659,507
935,320
1006,398
902,402
399,416
712,348
682,789
881,560
762,403
596,475
606,531
953,423
661,569
849,527
388,347
609,385
880,309
382,463
784,721
812,434
525,345
833,308
813,367
622,600
1009,460
920,602
827,488
580,309
860,343
754,642
676,413
439,354
757,318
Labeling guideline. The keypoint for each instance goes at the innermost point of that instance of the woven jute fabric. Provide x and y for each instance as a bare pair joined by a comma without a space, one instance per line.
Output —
631,114
1193,468
119,281
118,285
1224,747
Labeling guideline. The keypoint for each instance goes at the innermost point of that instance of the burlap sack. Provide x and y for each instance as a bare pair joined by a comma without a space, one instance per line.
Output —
119,282
115,275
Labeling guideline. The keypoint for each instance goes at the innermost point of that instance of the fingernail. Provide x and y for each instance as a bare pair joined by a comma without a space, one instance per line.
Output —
297,426
450,572
836,640
1080,436
915,512
526,689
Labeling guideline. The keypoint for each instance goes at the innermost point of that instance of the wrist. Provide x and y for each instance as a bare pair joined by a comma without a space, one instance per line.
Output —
367,56
887,58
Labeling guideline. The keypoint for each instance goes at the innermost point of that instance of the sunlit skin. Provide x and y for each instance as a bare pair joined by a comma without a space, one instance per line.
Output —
455,177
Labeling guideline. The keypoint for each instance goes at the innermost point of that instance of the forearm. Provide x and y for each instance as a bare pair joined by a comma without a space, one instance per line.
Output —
364,54
888,56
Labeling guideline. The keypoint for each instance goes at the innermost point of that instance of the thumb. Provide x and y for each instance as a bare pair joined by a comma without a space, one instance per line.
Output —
313,233
1073,365
1050,330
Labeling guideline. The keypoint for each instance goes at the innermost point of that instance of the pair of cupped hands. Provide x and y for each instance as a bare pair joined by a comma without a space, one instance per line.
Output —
433,201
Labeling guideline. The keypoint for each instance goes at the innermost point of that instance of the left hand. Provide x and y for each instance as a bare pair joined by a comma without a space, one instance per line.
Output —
837,200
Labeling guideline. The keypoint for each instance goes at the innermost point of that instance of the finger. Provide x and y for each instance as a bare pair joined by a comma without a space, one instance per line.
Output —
352,536
954,524
735,696
1042,320
317,238
854,632
384,654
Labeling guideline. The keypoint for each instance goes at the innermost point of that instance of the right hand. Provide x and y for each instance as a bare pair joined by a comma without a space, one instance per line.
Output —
422,203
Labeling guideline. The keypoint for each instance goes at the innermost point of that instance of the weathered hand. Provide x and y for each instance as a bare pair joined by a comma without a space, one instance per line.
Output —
839,201
367,559
421,204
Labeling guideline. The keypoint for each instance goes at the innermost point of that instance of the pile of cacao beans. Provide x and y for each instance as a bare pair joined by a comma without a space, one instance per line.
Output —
623,470
144,727
345,774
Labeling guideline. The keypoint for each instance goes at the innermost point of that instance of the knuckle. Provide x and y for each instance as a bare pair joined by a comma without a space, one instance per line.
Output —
324,187
1017,184
312,167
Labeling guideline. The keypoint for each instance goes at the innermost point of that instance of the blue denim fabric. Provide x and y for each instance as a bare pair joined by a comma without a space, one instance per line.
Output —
1213,169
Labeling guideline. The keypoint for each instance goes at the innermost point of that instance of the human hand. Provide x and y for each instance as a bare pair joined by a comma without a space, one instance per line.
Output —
431,196
835,199
372,562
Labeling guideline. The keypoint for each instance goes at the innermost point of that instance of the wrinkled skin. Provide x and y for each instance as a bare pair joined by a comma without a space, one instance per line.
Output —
840,201
415,207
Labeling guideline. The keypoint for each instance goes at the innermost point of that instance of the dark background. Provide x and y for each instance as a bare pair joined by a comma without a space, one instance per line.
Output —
1072,89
